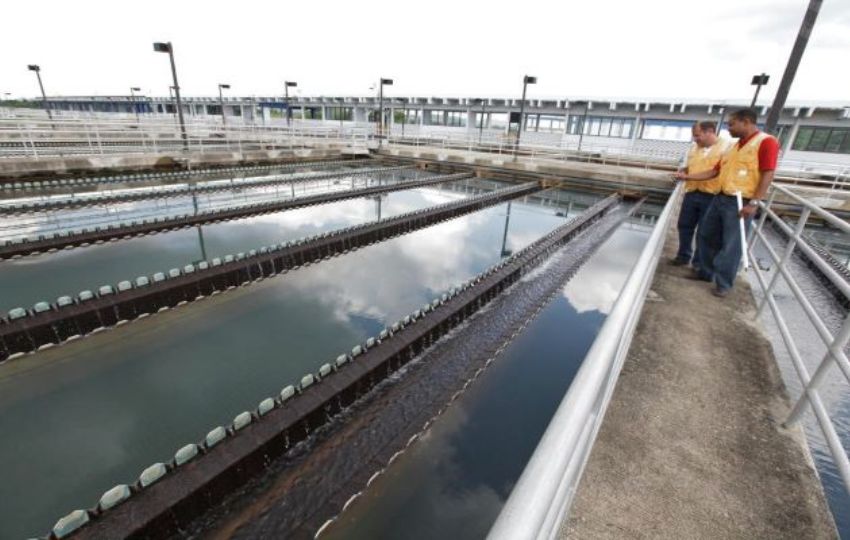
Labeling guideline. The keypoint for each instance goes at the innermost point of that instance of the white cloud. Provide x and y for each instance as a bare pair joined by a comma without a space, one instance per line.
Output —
603,48
597,284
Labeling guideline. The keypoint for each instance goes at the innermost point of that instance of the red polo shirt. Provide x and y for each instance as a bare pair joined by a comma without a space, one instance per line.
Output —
768,152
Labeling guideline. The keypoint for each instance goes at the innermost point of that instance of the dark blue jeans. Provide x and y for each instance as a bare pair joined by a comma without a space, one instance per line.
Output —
694,206
719,242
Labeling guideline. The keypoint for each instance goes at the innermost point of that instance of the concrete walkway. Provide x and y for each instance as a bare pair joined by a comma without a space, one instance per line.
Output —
692,444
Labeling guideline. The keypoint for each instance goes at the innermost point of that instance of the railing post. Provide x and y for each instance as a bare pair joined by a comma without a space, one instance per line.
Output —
789,251
758,228
97,138
32,143
836,346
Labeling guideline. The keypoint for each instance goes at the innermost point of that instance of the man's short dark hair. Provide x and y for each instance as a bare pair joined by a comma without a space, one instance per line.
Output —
745,114
707,125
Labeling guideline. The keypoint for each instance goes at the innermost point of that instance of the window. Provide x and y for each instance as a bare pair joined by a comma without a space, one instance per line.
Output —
667,130
601,126
550,123
804,135
498,120
845,146
605,127
823,139
818,142
339,113
456,118
833,143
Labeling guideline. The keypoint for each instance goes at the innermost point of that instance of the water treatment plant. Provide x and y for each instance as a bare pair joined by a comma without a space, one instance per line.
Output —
416,316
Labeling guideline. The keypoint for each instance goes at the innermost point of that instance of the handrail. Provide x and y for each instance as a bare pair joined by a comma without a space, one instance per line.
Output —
545,491
835,344
37,137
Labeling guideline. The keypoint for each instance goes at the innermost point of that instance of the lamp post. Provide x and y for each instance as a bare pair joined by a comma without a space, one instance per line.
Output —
758,81
388,82
133,90
525,82
37,69
286,86
169,48
583,124
790,72
481,126
171,100
221,102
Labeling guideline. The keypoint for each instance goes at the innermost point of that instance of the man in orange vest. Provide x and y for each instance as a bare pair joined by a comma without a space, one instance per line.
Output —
703,155
748,167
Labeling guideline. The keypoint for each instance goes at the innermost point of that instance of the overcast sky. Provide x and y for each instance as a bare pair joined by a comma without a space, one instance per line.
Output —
601,48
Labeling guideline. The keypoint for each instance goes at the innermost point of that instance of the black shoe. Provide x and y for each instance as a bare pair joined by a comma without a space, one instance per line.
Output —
720,293
696,276
679,262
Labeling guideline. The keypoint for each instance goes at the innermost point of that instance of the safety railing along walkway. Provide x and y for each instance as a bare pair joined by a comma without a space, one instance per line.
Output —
811,383
67,136
544,493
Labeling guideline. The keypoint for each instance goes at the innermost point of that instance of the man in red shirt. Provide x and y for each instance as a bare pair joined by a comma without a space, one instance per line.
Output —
747,168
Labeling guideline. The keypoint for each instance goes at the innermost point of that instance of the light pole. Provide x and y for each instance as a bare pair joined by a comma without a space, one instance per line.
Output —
758,81
37,69
582,126
481,126
221,102
171,101
388,82
169,48
793,62
286,86
525,82
133,90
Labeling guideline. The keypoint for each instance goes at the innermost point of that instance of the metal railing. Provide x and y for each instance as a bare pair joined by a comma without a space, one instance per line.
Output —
501,144
544,493
36,137
835,344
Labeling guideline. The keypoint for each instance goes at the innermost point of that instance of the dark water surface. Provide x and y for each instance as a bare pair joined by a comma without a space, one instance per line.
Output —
94,413
45,277
453,481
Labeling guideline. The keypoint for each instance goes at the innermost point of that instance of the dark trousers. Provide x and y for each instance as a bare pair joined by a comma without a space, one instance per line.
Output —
694,206
719,241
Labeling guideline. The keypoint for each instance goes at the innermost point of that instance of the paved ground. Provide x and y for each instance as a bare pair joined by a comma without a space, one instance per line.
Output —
692,444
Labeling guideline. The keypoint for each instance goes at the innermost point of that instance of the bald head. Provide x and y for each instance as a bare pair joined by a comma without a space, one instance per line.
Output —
704,133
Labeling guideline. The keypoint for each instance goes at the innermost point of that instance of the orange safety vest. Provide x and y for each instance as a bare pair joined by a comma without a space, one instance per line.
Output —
739,168
701,160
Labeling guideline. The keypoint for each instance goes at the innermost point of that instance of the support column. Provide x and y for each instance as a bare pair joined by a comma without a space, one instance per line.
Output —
636,128
359,114
792,134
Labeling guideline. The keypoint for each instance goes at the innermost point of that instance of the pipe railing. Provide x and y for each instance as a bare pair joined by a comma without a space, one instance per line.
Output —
544,493
38,137
836,344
